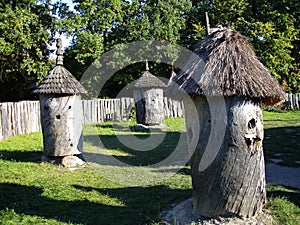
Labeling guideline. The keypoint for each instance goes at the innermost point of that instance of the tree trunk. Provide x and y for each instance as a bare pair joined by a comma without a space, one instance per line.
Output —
149,106
225,140
61,120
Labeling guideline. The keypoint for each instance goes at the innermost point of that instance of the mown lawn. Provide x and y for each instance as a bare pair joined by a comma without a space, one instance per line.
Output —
32,192
282,137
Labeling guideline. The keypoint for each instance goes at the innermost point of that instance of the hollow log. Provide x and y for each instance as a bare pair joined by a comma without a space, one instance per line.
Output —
61,120
149,106
225,141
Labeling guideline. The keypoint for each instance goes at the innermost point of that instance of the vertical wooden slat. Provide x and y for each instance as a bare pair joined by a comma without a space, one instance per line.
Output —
26,120
11,119
125,108
286,101
37,113
119,117
93,112
22,117
83,110
86,112
17,108
101,110
296,101
114,109
30,117
89,117
98,110
107,113
165,108
35,122
121,108
170,107
291,101
109,108
182,109
5,122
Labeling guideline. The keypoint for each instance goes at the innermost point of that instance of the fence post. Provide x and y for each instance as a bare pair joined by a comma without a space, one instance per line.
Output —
5,122
17,117
296,101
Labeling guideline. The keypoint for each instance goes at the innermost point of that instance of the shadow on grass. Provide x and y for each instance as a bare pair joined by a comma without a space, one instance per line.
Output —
141,205
283,143
184,171
21,156
293,195
140,158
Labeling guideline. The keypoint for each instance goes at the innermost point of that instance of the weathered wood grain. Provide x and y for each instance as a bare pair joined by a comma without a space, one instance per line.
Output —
62,120
149,106
225,140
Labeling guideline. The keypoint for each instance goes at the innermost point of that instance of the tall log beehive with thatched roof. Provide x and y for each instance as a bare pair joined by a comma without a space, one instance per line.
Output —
226,85
61,111
148,97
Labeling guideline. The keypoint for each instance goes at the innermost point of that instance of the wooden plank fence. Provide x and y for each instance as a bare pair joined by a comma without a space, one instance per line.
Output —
292,101
23,117
17,118
99,110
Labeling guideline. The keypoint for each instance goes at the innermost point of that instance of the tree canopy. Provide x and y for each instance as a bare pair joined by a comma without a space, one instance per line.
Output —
97,26
26,27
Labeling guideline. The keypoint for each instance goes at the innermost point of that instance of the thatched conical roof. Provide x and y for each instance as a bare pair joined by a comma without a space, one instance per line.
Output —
147,81
225,64
60,80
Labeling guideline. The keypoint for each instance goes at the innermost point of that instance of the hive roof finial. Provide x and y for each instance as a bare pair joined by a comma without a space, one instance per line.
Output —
59,58
147,67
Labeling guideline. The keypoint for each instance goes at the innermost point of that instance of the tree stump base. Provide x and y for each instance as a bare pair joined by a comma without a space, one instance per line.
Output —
228,170
71,161
183,213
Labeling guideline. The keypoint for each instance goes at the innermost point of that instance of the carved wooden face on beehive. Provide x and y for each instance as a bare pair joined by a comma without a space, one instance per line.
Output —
247,126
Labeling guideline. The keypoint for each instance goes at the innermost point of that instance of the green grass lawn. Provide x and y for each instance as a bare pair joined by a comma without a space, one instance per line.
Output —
282,137
32,192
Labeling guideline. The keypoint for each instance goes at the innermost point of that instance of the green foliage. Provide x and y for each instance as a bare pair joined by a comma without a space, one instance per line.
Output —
98,26
273,29
25,28
113,24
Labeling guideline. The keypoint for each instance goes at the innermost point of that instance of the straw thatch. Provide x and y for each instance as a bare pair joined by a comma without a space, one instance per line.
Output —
60,81
147,81
225,64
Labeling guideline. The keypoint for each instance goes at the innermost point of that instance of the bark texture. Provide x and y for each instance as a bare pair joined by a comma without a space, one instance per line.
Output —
61,119
149,106
225,140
